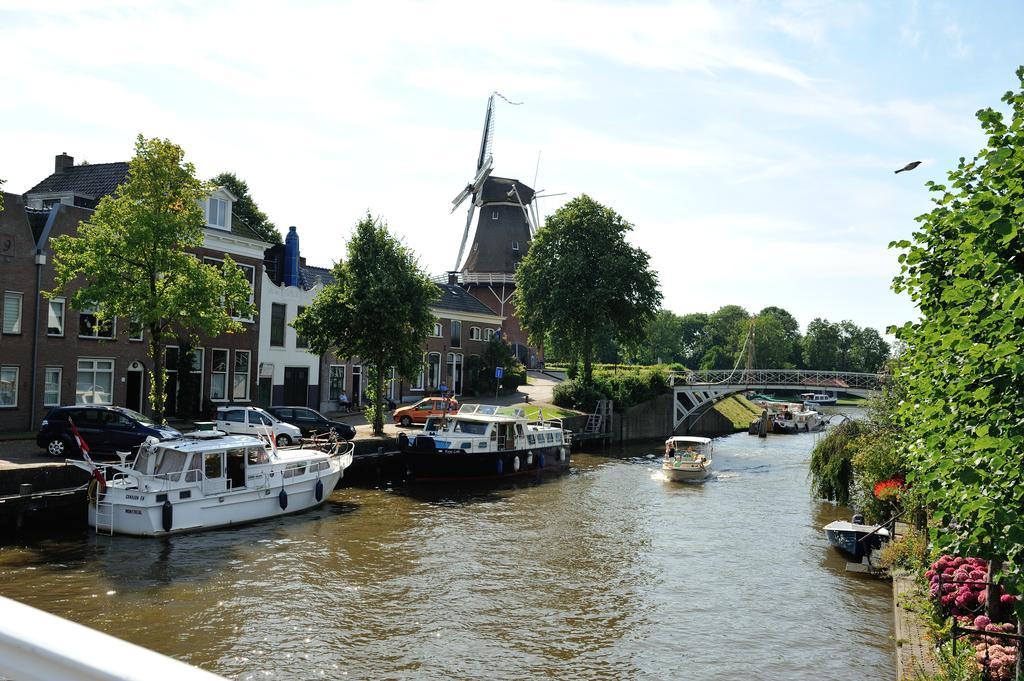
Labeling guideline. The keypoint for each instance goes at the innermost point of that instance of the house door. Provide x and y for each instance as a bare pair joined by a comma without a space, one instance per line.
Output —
134,385
357,385
296,386
171,394
263,391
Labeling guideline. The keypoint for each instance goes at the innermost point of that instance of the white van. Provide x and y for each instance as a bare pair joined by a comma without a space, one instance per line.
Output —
254,421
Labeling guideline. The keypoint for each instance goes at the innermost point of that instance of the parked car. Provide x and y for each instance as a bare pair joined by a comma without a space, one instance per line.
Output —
312,422
428,406
104,429
254,421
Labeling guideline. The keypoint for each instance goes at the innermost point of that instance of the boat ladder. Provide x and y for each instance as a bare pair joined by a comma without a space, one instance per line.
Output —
105,518
594,423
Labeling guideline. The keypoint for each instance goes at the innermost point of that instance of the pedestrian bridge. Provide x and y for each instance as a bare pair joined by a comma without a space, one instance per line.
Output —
694,392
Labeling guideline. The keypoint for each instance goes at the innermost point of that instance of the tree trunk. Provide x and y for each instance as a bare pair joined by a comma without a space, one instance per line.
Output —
378,412
158,375
992,593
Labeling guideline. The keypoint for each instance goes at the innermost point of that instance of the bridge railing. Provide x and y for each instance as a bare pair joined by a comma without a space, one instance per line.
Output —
829,380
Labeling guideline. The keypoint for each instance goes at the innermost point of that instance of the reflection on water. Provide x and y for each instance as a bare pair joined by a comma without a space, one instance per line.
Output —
606,572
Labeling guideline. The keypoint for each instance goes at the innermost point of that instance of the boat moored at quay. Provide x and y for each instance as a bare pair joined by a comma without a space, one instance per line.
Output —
209,479
485,442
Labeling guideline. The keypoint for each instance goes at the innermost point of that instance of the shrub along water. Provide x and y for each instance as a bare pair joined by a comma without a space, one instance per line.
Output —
626,386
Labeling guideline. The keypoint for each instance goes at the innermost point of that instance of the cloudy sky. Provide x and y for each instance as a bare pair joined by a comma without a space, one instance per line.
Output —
751,144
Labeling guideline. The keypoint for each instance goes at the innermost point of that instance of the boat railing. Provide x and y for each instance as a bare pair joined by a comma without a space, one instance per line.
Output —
38,646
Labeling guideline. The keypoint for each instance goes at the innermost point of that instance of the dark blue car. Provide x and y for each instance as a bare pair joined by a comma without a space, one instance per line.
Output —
104,429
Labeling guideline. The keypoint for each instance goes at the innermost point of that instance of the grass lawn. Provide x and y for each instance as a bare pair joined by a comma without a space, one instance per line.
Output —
739,410
851,402
550,411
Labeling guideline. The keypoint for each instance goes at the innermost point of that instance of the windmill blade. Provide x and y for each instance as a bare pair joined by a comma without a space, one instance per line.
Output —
465,233
488,134
457,201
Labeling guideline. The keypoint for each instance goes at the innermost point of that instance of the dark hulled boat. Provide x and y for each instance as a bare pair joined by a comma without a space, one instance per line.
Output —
483,442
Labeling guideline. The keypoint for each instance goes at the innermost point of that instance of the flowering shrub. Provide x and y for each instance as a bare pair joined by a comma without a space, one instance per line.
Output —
947,577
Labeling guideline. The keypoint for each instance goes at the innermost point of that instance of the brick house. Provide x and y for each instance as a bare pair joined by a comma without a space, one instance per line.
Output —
77,359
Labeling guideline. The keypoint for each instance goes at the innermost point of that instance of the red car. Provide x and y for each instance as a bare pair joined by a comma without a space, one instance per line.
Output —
429,406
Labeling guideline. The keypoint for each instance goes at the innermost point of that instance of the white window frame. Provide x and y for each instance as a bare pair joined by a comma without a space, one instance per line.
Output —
488,335
438,330
330,381
199,353
284,325
474,333
494,214
16,331
432,384
247,374
91,310
209,259
515,245
450,371
221,210
95,371
63,316
17,379
214,373
142,332
455,339
60,380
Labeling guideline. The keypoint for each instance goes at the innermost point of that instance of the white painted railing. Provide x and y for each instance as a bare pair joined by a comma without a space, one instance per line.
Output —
38,646
790,377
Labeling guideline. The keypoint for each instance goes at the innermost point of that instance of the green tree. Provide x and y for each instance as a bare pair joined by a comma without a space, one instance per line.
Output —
791,328
581,279
377,309
727,327
964,370
662,343
870,351
132,261
821,345
773,345
694,341
245,209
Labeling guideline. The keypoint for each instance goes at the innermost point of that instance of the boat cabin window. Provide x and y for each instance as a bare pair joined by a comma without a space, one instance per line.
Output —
169,463
471,427
236,467
531,440
258,455
213,464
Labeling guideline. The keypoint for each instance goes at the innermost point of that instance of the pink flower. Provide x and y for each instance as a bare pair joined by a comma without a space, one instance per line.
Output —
1007,598
980,622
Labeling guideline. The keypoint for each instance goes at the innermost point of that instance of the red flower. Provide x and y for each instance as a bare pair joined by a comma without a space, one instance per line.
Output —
887,490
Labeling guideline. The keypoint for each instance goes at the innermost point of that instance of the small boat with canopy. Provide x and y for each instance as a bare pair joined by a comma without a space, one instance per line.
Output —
687,458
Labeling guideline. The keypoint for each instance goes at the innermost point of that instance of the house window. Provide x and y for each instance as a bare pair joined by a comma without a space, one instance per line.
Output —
217,213
488,334
455,372
90,326
300,341
218,375
456,341
8,386
277,315
12,312
134,331
95,382
515,245
249,272
437,329
418,383
336,378
55,320
51,386
474,333
240,388
433,370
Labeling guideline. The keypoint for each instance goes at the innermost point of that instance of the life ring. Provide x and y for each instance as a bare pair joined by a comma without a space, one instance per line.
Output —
515,464
96,491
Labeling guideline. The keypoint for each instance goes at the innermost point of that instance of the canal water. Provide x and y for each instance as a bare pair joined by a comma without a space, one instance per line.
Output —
609,572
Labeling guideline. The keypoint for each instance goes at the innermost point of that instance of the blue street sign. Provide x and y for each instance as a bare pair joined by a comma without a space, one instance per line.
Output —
443,388
497,334
499,372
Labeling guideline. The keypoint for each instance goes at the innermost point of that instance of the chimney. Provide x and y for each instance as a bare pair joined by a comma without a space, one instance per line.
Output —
291,258
62,162
453,278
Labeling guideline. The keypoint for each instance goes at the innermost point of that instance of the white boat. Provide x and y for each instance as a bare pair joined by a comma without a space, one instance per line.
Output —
818,399
801,420
485,442
687,458
209,479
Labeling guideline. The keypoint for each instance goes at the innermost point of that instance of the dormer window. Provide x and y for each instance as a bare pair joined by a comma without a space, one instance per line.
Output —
515,245
217,213
494,215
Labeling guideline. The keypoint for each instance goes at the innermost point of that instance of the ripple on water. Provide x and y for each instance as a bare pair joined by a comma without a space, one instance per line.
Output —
607,573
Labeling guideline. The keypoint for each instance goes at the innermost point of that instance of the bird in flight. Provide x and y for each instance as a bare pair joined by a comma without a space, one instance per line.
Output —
909,166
